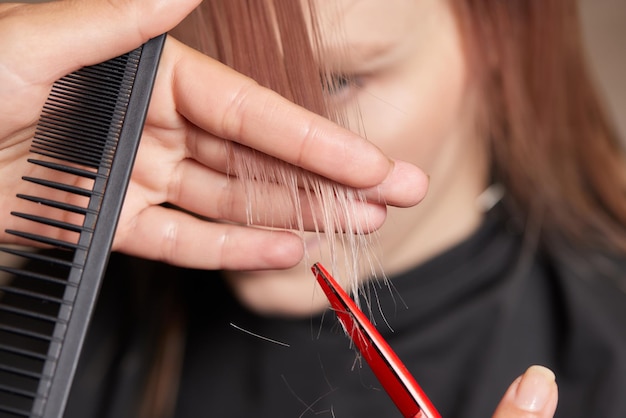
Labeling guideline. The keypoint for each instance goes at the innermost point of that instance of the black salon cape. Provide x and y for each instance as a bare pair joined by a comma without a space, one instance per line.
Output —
466,324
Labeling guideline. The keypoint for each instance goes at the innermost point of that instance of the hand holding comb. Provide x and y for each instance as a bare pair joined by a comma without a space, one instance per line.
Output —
89,129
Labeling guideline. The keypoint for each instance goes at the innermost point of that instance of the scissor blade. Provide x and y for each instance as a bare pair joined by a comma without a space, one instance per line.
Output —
390,371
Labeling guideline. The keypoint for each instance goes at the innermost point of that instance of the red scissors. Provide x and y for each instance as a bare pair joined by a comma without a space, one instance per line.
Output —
392,374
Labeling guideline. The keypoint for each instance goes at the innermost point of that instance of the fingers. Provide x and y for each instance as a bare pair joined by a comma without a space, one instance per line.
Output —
532,395
177,238
231,106
404,187
214,195
49,40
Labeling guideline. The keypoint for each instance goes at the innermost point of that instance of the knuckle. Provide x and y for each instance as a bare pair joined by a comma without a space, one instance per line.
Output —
236,111
169,242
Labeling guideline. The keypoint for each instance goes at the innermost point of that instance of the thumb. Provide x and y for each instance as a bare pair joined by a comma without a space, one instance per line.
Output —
532,395
43,42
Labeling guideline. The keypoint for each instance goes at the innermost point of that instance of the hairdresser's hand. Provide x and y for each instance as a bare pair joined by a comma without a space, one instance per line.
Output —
532,395
197,105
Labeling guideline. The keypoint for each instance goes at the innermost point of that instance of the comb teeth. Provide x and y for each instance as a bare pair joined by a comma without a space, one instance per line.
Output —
42,239
51,222
81,121
30,306
84,146
61,186
65,168
58,205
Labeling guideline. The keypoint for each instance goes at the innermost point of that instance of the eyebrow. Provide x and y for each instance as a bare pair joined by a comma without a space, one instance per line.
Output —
365,56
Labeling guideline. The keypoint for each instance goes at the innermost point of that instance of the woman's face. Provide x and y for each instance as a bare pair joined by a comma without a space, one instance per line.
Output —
416,101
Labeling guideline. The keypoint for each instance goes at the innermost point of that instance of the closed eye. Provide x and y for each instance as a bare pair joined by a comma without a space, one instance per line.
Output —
338,85
333,83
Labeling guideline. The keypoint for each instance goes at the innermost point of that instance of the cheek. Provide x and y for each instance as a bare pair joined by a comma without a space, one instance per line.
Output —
414,113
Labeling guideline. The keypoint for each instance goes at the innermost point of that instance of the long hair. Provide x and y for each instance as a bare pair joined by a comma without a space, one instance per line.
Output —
553,147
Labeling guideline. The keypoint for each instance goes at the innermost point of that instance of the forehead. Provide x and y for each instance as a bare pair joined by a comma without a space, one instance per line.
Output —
366,29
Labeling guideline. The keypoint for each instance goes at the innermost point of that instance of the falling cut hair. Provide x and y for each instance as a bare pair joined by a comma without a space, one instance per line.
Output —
275,43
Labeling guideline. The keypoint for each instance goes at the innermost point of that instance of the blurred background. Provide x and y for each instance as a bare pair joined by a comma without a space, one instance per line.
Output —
604,25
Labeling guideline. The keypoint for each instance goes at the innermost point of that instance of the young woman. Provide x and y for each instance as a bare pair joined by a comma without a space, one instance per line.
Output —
515,256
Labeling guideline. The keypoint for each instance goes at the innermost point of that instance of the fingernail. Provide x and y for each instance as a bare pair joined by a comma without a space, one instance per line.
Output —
407,183
534,389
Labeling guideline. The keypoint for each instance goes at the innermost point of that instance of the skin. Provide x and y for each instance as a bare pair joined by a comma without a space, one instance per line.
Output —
183,144
416,100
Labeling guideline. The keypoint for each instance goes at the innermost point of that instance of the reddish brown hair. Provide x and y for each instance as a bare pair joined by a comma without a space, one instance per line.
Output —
553,147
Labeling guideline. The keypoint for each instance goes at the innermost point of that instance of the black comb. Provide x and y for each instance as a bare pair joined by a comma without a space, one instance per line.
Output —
85,145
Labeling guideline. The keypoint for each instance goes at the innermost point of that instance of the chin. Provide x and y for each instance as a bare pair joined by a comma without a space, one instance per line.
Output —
294,292
290,293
